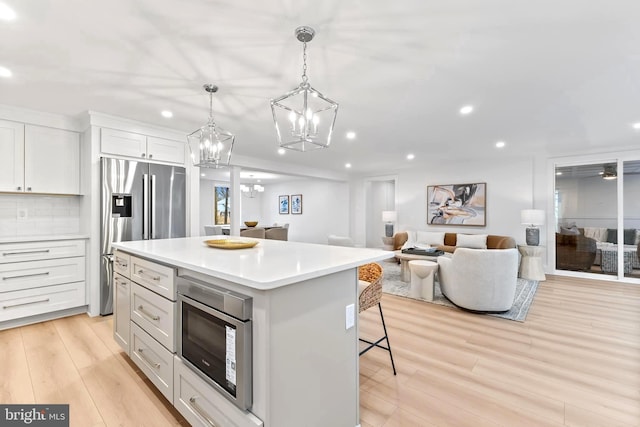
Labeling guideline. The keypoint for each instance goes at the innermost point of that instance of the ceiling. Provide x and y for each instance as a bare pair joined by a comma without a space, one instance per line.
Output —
549,76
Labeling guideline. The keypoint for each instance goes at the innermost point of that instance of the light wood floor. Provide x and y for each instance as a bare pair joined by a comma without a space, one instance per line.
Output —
574,362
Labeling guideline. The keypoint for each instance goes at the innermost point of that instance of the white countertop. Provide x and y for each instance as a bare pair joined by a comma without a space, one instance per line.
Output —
270,264
41,238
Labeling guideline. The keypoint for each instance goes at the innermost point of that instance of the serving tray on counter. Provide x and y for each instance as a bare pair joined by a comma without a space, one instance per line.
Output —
231,243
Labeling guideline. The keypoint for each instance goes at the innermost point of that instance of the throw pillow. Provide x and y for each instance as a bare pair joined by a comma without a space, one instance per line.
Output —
637,237
430,238
573,231
629,236
411,241
473,241
612,235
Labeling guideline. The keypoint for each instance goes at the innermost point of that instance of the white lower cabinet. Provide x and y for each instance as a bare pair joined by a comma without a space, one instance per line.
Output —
154,314
121,317
38,278
153,359
201,405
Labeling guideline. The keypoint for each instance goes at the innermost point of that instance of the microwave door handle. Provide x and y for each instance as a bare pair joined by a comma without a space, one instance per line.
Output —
152,207
145,206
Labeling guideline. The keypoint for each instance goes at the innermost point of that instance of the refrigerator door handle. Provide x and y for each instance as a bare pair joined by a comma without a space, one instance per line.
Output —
145,206
152,230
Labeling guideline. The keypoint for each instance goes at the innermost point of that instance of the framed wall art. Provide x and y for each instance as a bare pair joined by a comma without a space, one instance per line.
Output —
457,204
283,205
296,203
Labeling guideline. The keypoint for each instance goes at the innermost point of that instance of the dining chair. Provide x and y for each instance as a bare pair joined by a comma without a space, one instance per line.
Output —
340,240
256,232
212,230
369,295
277,233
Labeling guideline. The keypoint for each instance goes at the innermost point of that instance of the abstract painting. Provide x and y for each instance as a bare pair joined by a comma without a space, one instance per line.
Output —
296,203
457,204
283,205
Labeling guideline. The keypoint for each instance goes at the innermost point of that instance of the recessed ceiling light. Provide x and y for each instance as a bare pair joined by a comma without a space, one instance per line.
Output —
203,174
467,109
281,151
351,135
558,173
636,126
259,180
6,13
500,144
410,156
347,165
166,113
5,72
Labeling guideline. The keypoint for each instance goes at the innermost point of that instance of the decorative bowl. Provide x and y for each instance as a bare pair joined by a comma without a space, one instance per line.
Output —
251,223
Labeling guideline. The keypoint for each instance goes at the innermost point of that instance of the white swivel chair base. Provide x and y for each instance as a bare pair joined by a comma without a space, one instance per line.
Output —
422,275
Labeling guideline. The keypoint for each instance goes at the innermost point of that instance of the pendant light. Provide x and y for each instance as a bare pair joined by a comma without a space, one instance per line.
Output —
210,145
304,118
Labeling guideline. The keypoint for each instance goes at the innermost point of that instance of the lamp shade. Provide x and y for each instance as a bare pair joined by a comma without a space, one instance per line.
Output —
532,216
389,216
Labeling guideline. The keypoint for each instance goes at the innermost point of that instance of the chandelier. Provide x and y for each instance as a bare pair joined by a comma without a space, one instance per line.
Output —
251,190
304,118
210,145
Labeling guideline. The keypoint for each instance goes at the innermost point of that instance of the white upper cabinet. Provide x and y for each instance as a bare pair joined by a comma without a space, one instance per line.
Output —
12,158
140,146
51,160
37,159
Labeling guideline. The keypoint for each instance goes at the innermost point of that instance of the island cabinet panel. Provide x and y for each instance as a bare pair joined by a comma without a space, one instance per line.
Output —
153,359
155,277
154,314
121,311
122,263
203,406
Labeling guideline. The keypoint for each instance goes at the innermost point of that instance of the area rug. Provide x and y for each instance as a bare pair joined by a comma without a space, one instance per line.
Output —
525,291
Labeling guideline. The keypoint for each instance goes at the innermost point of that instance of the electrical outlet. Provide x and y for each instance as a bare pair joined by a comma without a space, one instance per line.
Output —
350,316
22,214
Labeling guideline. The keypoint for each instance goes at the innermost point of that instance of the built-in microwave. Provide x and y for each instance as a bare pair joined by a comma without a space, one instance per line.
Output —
215,338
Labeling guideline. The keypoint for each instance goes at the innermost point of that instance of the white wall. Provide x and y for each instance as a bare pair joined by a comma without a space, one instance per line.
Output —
509,190
380,197
325,209
206,203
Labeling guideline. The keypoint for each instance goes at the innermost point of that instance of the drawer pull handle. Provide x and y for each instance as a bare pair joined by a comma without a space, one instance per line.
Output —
121,264
121,283
142,273
25,303
201,412
26,275
146,359
43,251
142,310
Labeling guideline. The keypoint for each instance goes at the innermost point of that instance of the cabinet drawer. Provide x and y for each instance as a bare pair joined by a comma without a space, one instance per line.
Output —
37,274
29,302
121,263
154,314
153,359
159,278
121,311
32,251
201,405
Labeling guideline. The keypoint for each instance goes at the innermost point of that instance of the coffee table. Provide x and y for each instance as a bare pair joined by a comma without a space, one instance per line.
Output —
405,273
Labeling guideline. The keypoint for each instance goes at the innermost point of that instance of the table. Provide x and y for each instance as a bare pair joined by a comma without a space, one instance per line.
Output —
422,275
531,266
405,273
609,259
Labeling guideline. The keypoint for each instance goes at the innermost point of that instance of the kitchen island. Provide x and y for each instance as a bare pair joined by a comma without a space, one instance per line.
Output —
304,325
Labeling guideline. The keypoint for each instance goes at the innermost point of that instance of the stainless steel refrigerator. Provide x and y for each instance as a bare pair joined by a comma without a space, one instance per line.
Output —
140,201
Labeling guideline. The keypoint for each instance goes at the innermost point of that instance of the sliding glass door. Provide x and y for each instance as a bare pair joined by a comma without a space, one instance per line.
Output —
597,210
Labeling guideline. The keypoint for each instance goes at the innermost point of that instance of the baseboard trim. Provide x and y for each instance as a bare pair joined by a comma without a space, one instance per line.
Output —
23,321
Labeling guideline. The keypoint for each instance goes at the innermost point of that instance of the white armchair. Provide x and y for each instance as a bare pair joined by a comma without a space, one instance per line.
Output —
480,279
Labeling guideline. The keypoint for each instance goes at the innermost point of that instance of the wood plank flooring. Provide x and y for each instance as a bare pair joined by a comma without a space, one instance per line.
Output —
574,362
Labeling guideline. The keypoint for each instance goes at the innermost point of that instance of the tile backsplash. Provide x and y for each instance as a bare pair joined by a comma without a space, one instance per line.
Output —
35,215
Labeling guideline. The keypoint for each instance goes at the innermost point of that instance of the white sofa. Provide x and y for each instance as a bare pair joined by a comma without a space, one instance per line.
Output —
480,279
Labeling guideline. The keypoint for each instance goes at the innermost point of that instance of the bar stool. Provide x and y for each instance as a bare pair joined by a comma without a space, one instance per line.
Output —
422,275
369,295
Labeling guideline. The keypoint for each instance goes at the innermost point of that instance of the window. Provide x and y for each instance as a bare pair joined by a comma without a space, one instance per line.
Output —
222,213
